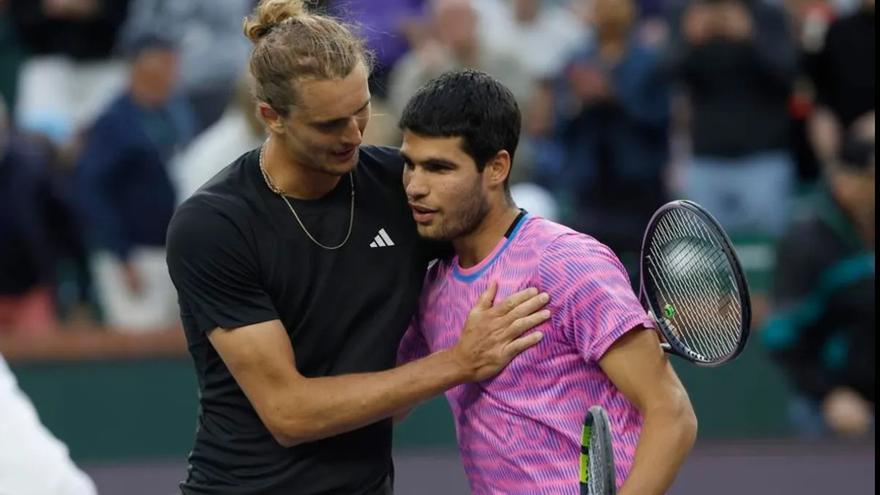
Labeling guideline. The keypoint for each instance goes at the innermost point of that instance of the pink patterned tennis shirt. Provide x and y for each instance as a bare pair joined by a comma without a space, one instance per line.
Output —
519,432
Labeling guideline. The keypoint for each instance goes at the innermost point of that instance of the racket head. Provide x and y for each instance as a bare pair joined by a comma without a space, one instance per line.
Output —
597,474
693,285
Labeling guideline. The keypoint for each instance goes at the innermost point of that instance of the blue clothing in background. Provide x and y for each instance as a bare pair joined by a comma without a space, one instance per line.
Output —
28,201
623,141
379,24
123,186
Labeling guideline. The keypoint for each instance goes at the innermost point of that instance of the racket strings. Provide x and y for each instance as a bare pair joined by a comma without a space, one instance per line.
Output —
704,336
713,261
673,286
690,255
602,476
689,268
688,328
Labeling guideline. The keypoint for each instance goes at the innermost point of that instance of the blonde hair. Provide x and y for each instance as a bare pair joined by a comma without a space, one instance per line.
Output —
292,44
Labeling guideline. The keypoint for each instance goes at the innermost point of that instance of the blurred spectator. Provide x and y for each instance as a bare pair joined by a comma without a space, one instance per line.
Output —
810,20
823,329
238,131
613,118
32,460
383,25
213,50
71,75
845,80
454,43
126,194
542,34
737,63
27,257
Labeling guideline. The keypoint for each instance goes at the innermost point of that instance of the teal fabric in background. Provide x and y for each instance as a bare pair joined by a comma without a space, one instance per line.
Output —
11,58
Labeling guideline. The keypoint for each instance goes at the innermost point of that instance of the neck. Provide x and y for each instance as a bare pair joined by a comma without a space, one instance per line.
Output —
474,247
143,97
612,41
294,179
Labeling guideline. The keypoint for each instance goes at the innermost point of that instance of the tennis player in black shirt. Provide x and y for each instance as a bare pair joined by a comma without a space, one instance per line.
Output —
298,268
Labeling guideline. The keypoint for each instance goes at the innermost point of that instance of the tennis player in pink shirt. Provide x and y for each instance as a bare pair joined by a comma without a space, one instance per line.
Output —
520,432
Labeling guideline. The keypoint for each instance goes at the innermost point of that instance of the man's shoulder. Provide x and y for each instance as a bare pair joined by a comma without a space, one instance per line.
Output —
556,248
115,118
225,195
809,228
384,162
542,234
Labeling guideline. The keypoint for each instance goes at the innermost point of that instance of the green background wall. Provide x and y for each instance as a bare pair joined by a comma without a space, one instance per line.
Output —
135,409
117,410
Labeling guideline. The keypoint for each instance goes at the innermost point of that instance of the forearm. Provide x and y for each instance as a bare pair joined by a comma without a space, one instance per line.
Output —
824,132
327,406
668,434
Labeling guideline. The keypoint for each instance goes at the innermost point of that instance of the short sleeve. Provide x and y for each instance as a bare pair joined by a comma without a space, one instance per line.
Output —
413,345
591,298
214,271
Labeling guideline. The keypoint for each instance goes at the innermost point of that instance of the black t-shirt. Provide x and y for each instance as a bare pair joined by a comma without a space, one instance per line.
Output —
238,257
845,71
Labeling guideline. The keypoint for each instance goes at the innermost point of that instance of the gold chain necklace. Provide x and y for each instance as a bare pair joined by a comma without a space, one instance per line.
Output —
290,206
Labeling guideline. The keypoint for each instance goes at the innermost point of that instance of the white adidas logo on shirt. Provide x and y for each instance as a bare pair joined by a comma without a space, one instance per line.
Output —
381,240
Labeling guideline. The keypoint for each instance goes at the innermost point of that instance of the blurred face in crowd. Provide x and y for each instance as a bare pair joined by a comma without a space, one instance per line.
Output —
455,22
449,197
613,17
154,76
325,128
526,11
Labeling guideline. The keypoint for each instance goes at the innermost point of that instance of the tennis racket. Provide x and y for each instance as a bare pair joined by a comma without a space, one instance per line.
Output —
693,286
597,475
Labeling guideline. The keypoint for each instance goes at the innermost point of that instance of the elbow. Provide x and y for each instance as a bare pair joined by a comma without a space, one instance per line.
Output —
290,433
676,414
292,429
686,419
690,426
284,438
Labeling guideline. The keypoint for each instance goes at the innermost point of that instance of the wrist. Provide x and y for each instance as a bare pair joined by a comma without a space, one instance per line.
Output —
460,370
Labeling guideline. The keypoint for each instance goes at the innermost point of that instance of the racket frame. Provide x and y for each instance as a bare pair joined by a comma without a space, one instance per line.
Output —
597,434
673,344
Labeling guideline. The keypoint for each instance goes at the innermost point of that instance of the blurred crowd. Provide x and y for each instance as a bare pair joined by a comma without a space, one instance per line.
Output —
112,113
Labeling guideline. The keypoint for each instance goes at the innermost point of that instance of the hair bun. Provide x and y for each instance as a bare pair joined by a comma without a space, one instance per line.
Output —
269,14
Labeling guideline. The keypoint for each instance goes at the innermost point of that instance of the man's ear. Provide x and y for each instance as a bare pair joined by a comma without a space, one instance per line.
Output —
498,169
273,120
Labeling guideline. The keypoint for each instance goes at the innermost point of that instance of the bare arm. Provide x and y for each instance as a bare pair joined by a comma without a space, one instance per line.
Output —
824,131
640,369
297,409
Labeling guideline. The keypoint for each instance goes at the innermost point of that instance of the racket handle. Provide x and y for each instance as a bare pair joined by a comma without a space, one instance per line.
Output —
666,347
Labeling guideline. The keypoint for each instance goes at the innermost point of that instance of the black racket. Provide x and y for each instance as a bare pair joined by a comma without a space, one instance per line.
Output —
597,475
693,285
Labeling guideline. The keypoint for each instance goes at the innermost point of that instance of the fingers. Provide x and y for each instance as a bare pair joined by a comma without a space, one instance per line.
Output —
522,325
487,298
528,307
515,300
523,343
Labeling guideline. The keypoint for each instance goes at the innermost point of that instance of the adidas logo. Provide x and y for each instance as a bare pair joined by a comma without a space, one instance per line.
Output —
381,240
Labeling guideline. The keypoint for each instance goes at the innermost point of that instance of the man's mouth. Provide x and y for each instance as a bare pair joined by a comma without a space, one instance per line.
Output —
344,154
422,214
